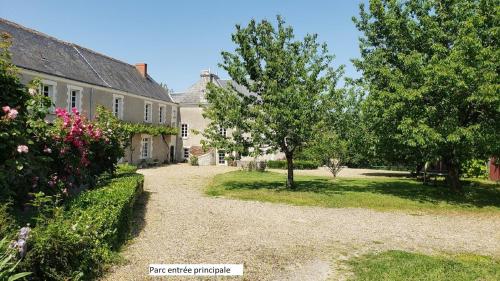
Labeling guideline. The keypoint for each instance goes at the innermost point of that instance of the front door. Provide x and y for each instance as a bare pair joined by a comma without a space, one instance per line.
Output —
172,154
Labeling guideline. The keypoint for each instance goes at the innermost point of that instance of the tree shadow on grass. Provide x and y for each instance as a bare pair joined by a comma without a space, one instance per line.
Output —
474,196
388,174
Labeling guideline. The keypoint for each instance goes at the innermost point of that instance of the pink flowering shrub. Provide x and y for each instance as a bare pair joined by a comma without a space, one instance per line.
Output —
37,156
71,138
110,147
82,150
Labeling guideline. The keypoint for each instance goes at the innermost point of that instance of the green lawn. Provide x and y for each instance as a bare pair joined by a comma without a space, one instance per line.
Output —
398,265
376,193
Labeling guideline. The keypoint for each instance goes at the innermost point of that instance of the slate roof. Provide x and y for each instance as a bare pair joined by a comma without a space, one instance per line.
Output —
239,88
195,94
36,51
188,98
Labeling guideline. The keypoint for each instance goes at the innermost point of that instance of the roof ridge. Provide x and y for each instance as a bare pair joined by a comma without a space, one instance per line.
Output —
33,31
91,67
59,40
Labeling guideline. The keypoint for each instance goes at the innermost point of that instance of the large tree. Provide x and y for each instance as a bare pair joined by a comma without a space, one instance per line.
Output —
291,82
431,69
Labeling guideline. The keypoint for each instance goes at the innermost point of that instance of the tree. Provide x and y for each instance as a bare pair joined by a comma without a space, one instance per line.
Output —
331,150
290,82
340,139
431,70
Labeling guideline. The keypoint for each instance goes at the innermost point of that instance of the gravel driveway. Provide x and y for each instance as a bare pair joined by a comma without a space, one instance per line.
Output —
275,241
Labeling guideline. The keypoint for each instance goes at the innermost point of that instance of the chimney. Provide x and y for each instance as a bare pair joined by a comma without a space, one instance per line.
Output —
208,76
142,68
205,73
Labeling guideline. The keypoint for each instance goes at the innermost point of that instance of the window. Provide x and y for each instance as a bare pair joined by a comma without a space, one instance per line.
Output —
174,117
222,156
184,130
148,112
222,131
186,152
161,112
74,98
48,89
118,106
146,147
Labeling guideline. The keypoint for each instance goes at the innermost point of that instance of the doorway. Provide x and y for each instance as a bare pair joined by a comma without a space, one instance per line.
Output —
172,154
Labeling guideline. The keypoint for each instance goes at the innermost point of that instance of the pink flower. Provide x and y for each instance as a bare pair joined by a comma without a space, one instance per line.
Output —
60,112
22,148
47,150
6,108
12,114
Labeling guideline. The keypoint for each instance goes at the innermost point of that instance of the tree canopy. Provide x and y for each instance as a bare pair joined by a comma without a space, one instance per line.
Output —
431,70
291,82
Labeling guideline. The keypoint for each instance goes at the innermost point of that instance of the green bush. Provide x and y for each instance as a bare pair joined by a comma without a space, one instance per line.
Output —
193,160
475,169
298,164
6,221
79,241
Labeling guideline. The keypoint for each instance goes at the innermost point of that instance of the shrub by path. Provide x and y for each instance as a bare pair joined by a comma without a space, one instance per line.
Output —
275,241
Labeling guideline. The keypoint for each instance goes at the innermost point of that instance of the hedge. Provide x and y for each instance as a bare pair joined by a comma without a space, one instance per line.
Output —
81,239
297,164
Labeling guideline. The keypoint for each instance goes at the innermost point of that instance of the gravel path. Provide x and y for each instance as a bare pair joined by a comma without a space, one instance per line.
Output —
275,241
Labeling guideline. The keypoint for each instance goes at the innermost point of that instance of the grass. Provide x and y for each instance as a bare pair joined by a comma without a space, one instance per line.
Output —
399,265
375,193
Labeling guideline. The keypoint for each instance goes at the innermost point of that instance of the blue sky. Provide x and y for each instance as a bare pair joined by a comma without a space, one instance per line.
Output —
178,39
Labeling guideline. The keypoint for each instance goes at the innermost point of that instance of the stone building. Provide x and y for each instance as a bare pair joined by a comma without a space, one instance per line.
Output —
76,77
191,102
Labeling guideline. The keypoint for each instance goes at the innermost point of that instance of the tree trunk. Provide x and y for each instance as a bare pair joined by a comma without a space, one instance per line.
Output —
453,177
289,179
